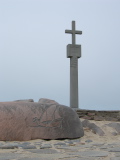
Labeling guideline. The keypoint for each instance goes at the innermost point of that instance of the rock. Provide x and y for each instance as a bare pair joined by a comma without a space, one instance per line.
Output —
43,151
60,144
47,101
88,140
44,146
10,156
90,114
23,146
91,154
95,129
9,147
116,149
23,121
88,117
115,125
114,133
98,118
111,119
25,100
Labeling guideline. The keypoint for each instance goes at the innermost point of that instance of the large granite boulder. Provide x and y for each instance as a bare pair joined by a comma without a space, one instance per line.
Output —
22,121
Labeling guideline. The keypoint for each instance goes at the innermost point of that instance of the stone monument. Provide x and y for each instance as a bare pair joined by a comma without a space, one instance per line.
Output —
24,120
73,52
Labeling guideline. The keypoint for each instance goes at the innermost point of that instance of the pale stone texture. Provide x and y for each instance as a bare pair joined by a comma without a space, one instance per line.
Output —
20,121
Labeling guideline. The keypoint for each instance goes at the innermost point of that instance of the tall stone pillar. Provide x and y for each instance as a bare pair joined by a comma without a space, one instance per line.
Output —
73,52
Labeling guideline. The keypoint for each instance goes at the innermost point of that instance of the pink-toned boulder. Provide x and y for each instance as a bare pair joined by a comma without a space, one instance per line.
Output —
22,121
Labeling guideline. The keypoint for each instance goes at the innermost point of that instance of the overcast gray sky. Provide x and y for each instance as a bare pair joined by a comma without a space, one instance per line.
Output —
33,61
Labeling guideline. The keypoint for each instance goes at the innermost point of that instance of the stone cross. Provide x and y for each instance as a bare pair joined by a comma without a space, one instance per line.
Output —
73,52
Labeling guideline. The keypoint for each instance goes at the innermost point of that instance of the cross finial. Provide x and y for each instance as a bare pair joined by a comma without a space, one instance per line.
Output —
73,32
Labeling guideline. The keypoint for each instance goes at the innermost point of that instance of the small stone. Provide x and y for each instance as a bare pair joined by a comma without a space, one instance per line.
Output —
38,143
43,151
8,146
59,144
63,147
71,141
9,156
25,143
88,141
91,153
68,149
90,114
1,144
114,133
114,149
103,147
27,146
45,146
117,154
98,118
111,119
98,144
87,117
84,145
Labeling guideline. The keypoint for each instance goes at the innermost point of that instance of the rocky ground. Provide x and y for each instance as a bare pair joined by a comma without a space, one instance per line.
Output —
100,142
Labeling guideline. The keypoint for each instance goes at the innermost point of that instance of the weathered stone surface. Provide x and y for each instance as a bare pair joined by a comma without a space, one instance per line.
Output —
9,156
20,121
115,149
114,125
47,101
8,147
93,127
45,146
43,151
91,153
114,133
98,118
99,115
88,140
26,146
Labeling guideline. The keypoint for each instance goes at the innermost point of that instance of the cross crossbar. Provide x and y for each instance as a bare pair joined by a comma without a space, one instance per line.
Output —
73,32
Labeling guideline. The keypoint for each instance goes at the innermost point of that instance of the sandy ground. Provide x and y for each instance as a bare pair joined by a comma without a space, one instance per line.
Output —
108,138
